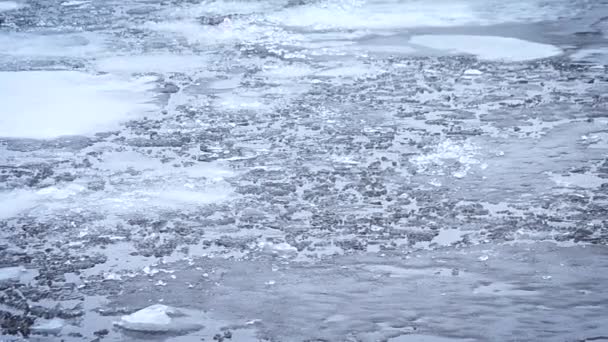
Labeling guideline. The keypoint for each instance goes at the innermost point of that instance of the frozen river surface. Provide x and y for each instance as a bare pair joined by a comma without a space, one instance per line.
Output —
304,170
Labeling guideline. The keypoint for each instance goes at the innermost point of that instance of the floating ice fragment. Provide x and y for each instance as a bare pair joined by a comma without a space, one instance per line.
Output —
448,237
150,271
75,3
473,72
161,318
46,104
488,47
8,6
277,248
435,182
112,276
52,326
460,174
11,273
483,258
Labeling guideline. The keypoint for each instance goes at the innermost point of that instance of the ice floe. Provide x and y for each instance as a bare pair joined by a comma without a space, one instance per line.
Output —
161,319
46,104
9,6
50,326
11,273
488,47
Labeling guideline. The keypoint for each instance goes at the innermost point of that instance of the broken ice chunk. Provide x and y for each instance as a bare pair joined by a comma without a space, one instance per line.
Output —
11,273
51,326
161,319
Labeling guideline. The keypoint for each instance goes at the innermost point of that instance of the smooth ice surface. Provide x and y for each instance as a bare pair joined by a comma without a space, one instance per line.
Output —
488,47
160,63
377,15
427,338
51,326
159,318
11,273
51,45
45,104
448,237
8,6
392,14
164,193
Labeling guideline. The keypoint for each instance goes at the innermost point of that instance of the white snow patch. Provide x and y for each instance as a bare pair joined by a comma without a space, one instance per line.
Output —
488,47
46,104
160,318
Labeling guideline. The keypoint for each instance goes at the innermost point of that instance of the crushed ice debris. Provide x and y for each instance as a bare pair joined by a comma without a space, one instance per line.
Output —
435,182
112,276
270,282
152,271
161,318
51,326
160,283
